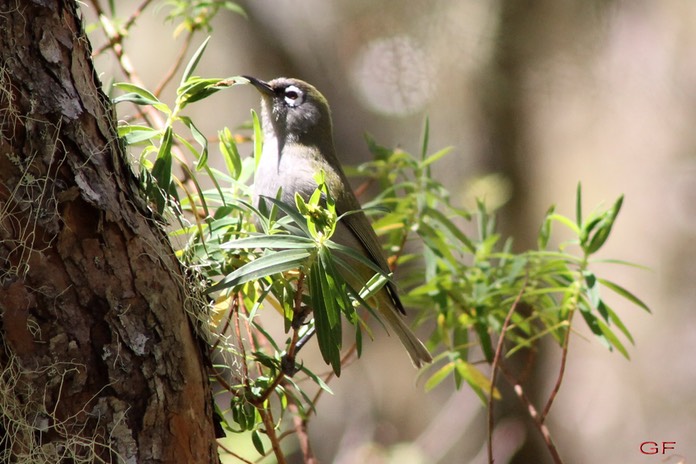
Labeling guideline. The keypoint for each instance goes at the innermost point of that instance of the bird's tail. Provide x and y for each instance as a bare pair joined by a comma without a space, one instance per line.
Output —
417,351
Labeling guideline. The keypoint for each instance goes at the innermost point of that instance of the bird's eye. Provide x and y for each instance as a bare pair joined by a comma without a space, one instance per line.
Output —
293,96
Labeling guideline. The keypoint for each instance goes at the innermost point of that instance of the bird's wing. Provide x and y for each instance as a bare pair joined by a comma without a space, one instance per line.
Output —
361,228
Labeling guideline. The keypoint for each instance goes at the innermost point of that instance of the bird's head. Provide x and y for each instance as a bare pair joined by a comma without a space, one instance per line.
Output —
294,111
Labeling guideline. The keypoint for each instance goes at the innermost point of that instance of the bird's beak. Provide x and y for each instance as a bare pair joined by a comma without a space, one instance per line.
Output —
260,85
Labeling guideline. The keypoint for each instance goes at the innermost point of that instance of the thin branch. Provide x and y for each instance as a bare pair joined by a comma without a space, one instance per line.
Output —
177,64
394,258
118,37
496,365
259,400
362,188
546,435
561,370
230,313
238,333
526,371
270,431
235,455
331,375
124,62
300,424
298,318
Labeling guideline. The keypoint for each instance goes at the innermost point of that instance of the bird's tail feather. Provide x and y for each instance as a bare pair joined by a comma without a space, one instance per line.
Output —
418,352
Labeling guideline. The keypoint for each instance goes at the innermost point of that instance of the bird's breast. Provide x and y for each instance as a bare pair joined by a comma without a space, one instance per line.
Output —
291,168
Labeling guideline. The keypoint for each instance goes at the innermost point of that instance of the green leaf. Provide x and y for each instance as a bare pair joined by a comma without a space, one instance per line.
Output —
435,156
358,339
476,380
618,323
604,229
338,284
349,270
272,263
566,222
612,338
449,226
291,213
134,133
162,171
193,62
426,139
270,241
229,151
354,254
329,341
139,96
136,89
460,340
440,375
258,138
199,190
624,293
592,288
434,241
545,229
593,323
244,414
198,88
316,379
258,442
481,330
201,139
301,205
380,152
235,8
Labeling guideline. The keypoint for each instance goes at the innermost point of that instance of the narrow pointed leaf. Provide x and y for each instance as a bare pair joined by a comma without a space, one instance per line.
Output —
269,264
624,293
193,62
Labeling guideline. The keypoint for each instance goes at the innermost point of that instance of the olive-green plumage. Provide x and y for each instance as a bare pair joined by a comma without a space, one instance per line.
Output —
298,143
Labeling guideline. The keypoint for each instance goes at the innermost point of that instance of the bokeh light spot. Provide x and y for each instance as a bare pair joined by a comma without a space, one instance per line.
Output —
393,76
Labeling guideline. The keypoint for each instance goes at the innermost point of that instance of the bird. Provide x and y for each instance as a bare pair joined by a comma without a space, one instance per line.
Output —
298,143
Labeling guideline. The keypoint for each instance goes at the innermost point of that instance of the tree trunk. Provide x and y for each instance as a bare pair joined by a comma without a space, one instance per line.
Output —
98,358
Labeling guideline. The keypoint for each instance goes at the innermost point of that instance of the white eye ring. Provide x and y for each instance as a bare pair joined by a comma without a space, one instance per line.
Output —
293,96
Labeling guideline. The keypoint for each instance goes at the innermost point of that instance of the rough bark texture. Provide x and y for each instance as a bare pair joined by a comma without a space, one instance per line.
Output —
98,360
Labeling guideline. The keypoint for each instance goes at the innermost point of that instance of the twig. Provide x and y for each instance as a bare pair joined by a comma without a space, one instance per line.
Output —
528,365
270,431
546,435
300,424
561,370
496,365
228,319
362,188
223,383
259,400
148,113
238,333
394,258
177,64
118,38
231,453
331,375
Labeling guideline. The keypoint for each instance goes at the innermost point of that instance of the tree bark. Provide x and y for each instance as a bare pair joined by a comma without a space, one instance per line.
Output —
99,360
